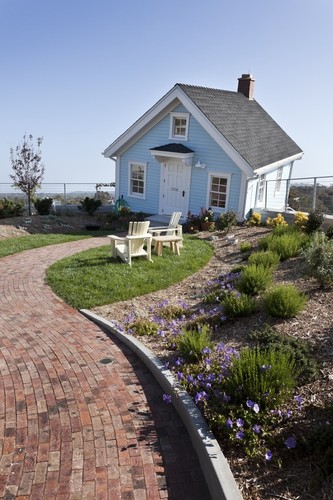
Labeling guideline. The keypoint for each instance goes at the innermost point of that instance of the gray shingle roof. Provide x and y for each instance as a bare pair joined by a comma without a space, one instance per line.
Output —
245,124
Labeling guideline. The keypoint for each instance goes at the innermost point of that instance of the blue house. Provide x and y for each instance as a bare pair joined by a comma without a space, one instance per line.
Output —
202,147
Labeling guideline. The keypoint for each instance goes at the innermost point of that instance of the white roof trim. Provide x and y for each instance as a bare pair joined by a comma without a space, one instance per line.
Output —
161,156
277,164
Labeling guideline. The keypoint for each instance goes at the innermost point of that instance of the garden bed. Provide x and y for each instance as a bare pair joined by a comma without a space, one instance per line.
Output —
293,476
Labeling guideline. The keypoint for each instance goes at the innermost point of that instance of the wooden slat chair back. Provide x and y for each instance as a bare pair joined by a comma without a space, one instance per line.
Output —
132,245
173,228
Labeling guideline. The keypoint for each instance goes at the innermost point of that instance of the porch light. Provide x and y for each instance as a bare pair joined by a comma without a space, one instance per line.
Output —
200,165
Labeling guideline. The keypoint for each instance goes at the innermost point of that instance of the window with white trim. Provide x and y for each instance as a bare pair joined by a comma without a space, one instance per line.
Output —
279,173
261,187
137,179
179,126
218,191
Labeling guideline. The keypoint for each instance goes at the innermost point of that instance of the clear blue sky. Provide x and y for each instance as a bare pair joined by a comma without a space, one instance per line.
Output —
80,72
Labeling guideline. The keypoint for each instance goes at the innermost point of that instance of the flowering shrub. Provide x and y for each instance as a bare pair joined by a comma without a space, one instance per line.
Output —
255,219
279,220
300,220
206,215
124,212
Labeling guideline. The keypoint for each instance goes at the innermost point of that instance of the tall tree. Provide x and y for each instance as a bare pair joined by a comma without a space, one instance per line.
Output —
27,165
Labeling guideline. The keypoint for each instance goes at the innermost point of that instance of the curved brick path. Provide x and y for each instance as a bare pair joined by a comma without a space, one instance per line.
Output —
72,427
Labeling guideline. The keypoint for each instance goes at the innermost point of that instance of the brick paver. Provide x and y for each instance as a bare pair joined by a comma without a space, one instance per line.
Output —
71,426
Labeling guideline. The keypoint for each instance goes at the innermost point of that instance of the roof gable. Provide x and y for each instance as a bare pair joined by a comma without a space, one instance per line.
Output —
240,125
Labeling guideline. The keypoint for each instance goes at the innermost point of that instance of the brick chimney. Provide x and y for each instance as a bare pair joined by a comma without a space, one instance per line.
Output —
246,85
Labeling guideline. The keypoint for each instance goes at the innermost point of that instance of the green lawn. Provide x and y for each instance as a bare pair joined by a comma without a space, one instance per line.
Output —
93,278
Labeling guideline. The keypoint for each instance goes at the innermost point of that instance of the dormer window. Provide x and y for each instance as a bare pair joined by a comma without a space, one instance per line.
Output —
179,126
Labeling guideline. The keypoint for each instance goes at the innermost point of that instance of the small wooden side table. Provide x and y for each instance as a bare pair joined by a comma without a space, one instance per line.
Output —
174,241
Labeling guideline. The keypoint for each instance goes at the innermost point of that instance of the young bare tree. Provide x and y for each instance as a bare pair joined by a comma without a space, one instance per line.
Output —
27,165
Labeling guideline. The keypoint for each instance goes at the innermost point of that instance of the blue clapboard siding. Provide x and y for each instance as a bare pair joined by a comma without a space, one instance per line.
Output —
206,150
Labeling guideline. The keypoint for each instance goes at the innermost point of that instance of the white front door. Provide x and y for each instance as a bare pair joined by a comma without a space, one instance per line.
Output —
175,188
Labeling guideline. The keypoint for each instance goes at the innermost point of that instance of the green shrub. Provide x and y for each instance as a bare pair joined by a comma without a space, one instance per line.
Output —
329,232
299,349
267,259
171,311
224,222
191,343
43,205
319,259
90,205
245,246
10,208
315,220
286,245
238,304
266,377
143,326
284,301
254,279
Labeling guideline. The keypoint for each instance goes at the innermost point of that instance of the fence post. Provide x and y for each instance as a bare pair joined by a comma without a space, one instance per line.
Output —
65,201
314,198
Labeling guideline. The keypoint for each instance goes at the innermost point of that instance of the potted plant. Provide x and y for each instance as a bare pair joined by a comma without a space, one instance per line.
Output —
206,219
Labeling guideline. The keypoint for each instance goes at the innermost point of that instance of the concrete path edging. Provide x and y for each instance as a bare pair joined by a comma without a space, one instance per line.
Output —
215,467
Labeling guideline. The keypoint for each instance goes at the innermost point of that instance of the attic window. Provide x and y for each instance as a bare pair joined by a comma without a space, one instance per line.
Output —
179,126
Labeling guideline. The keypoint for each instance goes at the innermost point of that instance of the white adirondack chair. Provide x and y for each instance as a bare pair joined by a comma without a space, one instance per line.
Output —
132,245
173,228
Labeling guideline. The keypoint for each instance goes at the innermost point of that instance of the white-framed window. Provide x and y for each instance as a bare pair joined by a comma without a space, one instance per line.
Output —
179,126
218,190
261,187
137,179
279,173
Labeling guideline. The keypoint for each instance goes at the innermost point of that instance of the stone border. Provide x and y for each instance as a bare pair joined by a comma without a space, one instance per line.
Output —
220,481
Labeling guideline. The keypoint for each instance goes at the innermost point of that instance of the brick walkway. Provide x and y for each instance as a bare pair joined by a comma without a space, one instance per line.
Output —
80,416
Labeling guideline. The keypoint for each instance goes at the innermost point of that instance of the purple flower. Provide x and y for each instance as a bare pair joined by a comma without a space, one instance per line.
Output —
179,361
256,428
167,398
200,396
268,455
240,435
290,442
239,422
249,403
190,379
256,408
299,400
180,376
229,424
264,368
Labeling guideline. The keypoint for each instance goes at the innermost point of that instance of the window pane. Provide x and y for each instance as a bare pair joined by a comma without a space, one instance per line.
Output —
218,192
